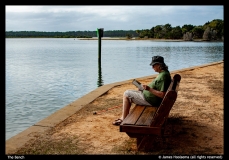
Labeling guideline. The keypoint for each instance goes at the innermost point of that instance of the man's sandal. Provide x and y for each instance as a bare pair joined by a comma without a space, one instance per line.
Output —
117,122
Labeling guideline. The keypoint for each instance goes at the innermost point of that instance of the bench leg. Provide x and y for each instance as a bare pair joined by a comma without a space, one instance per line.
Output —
139,139
145,143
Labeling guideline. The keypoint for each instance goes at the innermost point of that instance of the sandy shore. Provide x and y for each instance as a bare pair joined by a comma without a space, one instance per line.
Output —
195,124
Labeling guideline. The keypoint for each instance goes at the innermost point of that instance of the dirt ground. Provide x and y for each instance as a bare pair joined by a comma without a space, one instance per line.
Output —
195,124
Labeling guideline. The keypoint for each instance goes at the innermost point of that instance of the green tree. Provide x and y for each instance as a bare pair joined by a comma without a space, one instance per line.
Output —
158,31
187,28
152,32
176,33
128,36
166,31
198,32
217,26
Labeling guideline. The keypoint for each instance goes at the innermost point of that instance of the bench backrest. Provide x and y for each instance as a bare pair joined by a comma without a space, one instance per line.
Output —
169,99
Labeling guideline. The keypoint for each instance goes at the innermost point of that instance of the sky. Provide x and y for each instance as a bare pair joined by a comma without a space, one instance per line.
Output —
64,18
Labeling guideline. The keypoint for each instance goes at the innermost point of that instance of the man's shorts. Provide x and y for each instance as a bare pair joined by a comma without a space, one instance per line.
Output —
136,97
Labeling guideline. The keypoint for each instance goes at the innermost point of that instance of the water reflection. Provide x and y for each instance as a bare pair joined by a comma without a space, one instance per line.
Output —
100,80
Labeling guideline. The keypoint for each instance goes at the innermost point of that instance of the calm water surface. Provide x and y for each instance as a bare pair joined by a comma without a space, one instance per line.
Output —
45,74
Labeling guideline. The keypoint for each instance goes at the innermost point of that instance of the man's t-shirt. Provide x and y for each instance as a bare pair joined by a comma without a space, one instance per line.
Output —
160,83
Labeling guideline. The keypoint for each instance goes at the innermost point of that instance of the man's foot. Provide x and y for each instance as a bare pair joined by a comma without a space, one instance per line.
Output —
117,122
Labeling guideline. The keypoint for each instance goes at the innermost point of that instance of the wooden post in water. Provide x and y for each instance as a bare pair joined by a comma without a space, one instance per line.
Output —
99,35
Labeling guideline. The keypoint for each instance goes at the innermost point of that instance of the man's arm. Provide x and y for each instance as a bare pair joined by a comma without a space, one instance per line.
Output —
153,91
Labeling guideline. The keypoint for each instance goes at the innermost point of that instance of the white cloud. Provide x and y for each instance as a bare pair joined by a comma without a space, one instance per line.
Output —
74,18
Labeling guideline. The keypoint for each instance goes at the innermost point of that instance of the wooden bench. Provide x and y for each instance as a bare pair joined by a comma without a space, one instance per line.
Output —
147,122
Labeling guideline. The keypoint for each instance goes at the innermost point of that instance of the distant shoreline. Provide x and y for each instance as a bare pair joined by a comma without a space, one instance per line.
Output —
134,39
151,39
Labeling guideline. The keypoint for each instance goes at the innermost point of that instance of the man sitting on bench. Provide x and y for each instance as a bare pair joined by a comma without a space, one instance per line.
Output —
152,93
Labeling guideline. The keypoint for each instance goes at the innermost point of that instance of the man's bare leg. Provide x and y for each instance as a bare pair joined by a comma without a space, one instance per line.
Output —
126,107
125,110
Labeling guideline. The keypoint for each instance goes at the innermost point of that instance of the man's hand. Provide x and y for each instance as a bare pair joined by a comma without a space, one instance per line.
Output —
146,87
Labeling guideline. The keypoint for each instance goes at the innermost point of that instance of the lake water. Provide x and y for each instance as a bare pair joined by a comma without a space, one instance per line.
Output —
45,74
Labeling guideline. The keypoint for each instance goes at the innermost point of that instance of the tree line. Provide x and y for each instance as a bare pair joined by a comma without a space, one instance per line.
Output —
213,30
69,34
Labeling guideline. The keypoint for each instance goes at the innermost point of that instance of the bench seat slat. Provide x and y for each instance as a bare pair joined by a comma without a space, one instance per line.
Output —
132,118
147,116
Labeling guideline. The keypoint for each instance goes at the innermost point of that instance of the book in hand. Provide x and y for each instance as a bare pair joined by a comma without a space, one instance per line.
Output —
138,85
